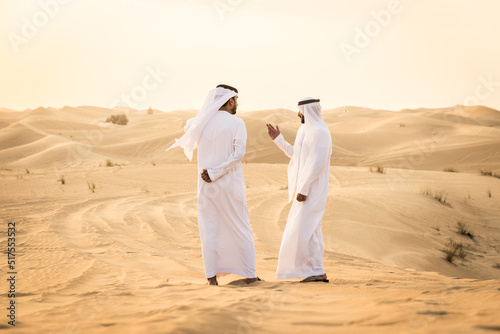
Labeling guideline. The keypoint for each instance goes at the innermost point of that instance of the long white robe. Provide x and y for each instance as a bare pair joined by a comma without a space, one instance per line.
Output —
223,220
301,251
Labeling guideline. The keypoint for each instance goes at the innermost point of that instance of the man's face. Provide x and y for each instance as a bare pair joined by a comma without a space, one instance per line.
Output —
234,104
301,116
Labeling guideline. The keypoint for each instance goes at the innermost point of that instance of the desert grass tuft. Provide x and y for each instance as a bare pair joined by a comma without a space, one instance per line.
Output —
439,196
91,186
450,252
489,193
378,169
463,229
110,163
453,249
426,191
461,250
489,173
450,170
62,180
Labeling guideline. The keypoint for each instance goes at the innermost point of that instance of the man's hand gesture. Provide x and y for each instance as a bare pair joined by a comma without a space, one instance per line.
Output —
273,133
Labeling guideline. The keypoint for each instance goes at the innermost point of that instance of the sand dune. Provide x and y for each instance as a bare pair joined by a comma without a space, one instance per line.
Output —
124,256
463,138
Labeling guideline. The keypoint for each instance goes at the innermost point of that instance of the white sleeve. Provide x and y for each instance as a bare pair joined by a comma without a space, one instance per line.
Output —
284,145
315,163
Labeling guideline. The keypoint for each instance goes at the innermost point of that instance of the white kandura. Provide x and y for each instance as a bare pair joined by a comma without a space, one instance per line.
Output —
301,251
223,220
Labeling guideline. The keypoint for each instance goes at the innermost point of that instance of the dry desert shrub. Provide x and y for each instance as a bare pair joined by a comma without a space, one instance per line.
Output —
121,119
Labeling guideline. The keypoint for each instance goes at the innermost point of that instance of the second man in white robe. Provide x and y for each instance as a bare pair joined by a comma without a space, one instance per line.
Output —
301,251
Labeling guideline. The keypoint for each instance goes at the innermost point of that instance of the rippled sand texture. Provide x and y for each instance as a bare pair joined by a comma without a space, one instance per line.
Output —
124,257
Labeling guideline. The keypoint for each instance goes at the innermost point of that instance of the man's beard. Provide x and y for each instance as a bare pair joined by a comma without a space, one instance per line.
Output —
302,119
233,111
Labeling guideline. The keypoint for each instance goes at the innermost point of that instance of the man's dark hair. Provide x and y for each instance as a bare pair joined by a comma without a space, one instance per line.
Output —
230,88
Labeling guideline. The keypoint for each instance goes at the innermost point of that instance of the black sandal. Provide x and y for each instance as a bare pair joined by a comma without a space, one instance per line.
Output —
314,279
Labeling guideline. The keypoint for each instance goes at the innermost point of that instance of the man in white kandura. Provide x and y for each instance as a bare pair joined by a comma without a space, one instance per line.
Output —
226,239
301,252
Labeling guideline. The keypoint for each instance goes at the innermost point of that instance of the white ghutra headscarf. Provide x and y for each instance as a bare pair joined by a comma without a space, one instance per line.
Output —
194,126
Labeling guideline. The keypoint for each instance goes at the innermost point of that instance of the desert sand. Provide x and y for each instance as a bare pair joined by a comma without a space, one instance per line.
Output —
107,237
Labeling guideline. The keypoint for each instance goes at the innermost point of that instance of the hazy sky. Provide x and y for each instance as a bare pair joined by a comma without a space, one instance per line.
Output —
168,54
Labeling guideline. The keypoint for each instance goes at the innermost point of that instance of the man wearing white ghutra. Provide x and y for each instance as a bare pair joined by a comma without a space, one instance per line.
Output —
301,251
226,239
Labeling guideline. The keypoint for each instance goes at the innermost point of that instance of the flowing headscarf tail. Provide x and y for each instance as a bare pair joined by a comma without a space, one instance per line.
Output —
188,153
174,145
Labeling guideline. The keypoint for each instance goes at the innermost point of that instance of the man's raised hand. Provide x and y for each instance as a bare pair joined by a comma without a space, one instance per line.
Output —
273,133
205,176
